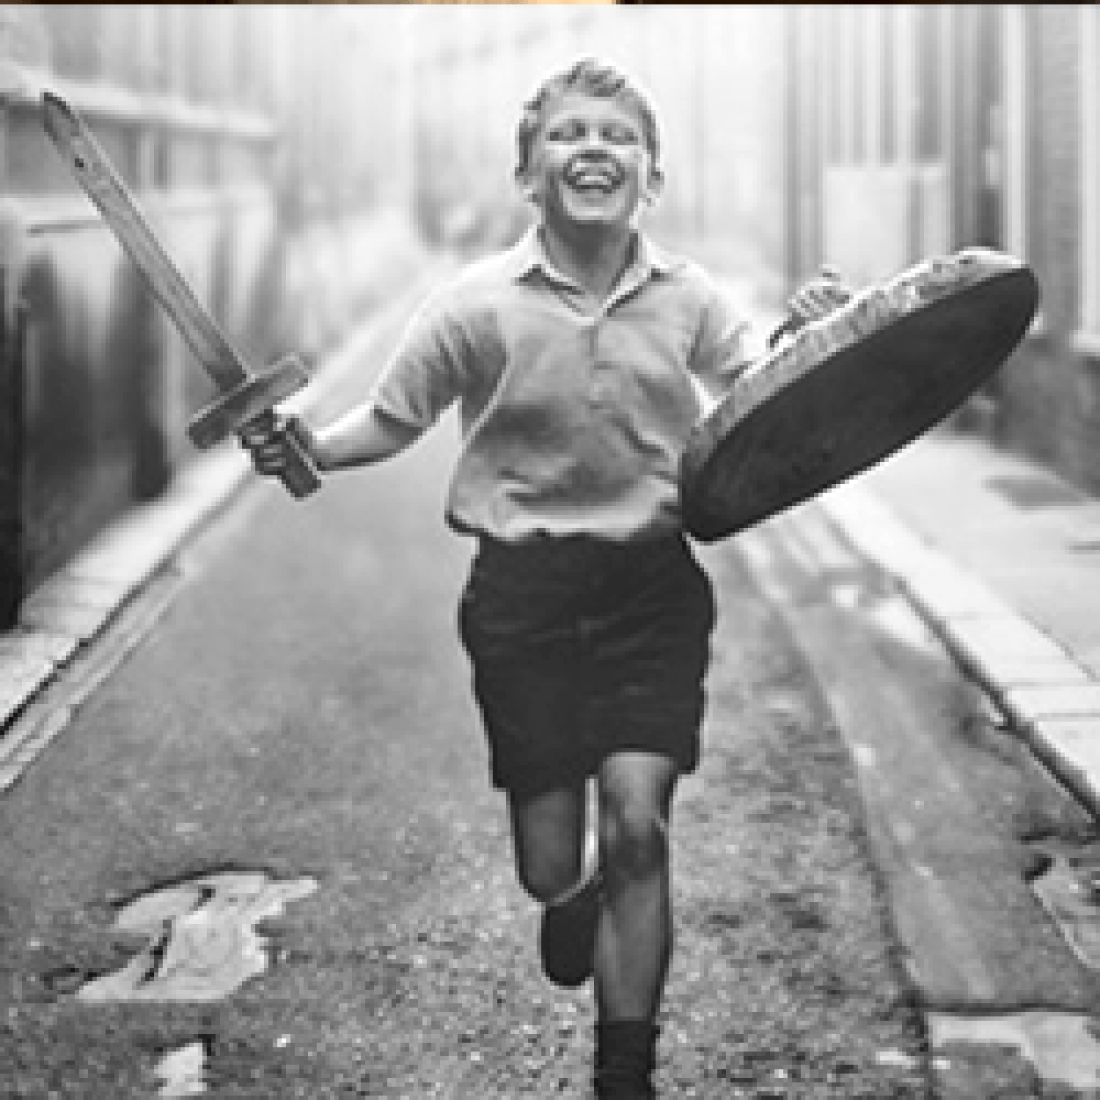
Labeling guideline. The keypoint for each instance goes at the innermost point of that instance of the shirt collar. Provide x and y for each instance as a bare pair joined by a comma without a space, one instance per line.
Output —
528,255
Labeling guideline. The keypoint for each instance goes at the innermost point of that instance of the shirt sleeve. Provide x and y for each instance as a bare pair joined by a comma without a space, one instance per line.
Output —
722,348
428,369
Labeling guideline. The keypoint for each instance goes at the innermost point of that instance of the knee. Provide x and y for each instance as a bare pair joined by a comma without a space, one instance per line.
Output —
633,842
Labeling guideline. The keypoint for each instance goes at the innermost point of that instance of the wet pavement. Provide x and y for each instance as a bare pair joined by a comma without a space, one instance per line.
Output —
847,930
987,862
285,694
301,708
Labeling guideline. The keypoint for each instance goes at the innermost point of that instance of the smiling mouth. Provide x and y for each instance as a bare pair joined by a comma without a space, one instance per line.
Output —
598,180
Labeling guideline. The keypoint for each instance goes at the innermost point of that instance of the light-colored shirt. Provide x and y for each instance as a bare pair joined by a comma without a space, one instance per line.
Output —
573,417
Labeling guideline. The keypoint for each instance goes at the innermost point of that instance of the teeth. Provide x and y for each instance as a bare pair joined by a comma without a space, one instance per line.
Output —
591,180
591,177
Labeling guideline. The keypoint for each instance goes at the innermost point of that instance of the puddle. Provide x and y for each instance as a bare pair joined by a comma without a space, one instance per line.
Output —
1069,890
203,944
180,1072
1062,1047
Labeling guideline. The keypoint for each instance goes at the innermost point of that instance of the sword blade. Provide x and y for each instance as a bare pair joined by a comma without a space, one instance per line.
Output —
102,184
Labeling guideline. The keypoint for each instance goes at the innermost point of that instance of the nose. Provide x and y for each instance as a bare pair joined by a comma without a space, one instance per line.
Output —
594,141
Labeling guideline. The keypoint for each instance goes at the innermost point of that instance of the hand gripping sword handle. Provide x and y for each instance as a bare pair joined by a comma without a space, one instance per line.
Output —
299,475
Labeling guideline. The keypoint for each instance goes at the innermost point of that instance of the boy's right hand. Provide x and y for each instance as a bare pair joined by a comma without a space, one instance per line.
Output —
268,447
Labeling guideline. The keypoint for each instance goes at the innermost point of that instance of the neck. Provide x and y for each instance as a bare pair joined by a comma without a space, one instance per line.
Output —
593,257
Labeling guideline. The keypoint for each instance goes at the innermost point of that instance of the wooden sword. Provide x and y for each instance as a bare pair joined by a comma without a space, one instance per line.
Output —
247,398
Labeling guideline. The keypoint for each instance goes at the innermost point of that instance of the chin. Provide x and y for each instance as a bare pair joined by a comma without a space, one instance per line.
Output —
609,216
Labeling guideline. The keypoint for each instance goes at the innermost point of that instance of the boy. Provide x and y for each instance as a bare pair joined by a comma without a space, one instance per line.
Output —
580,359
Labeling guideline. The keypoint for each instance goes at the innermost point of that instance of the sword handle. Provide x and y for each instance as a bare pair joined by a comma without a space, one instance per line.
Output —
299,475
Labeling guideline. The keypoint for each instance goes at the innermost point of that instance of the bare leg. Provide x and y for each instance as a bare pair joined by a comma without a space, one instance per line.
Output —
634,938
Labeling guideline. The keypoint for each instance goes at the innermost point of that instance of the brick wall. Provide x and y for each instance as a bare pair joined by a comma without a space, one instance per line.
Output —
1047,397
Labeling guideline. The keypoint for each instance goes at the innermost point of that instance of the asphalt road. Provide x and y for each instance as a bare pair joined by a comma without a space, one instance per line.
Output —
302,709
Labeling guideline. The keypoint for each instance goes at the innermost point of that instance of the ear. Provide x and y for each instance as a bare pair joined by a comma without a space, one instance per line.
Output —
655,182
528,186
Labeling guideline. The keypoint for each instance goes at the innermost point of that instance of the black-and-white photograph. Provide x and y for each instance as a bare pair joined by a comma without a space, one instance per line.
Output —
380,384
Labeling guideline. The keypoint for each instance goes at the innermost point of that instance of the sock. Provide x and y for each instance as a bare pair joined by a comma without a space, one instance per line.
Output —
626,1052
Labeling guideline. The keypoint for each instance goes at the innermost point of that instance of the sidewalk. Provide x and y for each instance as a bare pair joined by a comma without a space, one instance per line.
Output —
999,556
1002,559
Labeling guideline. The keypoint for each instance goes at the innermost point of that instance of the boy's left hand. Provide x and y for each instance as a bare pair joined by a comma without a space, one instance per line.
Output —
813,300
817,298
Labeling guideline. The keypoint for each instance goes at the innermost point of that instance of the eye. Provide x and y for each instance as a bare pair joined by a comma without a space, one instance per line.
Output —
621,135
567,131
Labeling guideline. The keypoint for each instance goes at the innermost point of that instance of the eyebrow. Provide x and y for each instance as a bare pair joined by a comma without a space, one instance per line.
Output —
626,122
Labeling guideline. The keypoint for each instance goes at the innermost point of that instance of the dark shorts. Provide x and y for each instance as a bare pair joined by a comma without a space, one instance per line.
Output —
583,648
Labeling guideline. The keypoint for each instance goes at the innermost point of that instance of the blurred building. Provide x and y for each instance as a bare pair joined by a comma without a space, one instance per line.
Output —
275,146
716,75
92,385
259,140
923,128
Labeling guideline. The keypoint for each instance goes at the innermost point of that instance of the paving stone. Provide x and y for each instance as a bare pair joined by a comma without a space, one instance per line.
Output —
65,587
64,617
1007,636
1047,702
1013,674
1074,744
1009,672
942,589
26,667
1007,653
34,643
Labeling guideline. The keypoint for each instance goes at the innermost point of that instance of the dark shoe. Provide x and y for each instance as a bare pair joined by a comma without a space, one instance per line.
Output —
626,1054
567,937
625,1090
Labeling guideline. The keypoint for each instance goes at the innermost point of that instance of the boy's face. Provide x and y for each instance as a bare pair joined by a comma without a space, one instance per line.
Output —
590,164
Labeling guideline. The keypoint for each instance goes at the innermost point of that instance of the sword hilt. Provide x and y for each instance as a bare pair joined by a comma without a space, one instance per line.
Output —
246,401
253,403
299,475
